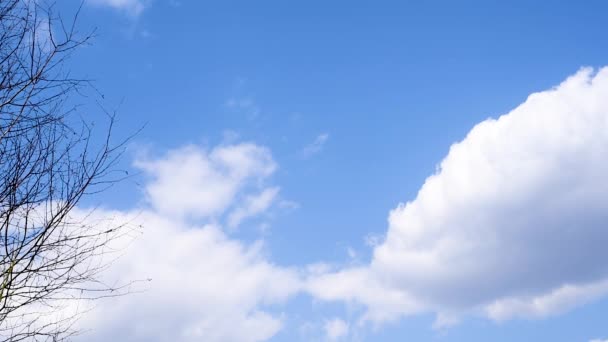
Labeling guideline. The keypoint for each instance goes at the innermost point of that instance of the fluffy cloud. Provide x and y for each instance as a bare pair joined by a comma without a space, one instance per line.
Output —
204,285
193,182
512,224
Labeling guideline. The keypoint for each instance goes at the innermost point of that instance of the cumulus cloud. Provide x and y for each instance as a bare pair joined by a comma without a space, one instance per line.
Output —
204,285
132,7
195,182
512,224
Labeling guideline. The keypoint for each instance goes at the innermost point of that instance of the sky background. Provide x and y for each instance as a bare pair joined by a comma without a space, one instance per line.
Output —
333,114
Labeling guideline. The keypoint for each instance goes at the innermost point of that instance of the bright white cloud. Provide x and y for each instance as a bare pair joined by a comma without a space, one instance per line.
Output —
132,7
336,329
316,146
194,182
204,285
511,225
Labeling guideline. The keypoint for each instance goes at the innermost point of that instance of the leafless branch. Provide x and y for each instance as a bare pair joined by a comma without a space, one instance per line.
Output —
48,161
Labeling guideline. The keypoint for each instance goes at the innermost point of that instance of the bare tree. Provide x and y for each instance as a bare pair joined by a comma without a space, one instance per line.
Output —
49,160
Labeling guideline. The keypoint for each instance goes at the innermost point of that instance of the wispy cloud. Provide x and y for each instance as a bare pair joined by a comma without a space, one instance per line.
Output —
336,329
131,7
252,205
246,105
315,147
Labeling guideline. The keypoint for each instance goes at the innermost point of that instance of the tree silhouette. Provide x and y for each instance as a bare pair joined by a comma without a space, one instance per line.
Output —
49,160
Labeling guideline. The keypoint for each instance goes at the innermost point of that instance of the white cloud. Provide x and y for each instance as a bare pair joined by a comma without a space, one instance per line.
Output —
598,340
252,205
204,285
132,7
511,225
559,300
288,205
316,146
336,329
361,285
193,182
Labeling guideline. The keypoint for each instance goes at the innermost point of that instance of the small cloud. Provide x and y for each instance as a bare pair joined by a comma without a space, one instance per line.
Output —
289,205
318,268
246,105
336,329
239,82
445,320
198,183
229,136
295,117
131,7
252,206
352,254
315,147
373,240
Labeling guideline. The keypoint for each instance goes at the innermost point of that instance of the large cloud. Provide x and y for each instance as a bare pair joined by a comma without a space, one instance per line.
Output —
204,285
513,223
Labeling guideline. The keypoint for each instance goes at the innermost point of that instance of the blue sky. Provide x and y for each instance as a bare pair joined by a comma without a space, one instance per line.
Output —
291,130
